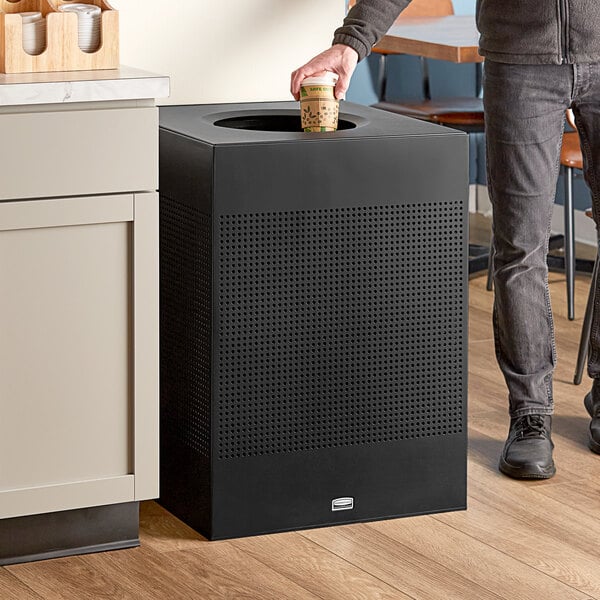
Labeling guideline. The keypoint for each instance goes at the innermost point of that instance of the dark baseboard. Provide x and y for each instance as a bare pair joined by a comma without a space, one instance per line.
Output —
66,533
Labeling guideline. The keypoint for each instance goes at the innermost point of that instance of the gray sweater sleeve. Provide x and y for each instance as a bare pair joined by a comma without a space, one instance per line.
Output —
367,22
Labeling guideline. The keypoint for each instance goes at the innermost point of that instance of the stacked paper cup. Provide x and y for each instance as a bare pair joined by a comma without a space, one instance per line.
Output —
34,32
90,20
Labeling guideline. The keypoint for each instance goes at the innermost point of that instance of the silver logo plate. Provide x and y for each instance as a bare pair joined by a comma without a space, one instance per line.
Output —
346,503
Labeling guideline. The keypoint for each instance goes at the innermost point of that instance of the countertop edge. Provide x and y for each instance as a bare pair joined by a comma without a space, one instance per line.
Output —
89,86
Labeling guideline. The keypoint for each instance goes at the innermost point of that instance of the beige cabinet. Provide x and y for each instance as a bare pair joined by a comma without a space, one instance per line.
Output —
92,150
78,352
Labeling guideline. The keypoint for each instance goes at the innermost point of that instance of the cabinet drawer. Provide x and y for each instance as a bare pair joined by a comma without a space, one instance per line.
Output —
72,153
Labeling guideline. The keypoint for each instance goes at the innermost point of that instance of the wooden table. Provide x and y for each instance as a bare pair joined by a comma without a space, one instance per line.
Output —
453,38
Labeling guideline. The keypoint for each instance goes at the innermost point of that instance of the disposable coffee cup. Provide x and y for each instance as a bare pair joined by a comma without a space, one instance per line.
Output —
319,107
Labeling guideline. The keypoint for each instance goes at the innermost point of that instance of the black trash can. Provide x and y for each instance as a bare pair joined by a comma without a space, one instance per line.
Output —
313,318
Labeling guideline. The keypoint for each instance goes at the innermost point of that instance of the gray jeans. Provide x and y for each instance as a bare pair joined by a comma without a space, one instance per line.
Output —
524,111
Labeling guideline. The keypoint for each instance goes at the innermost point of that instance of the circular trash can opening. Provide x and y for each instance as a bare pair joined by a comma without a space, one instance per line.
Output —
272,123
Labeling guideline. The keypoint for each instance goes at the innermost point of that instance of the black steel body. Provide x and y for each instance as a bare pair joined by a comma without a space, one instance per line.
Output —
313,318
69,532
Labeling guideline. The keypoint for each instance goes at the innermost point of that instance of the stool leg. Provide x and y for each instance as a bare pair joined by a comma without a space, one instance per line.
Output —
490,273
569,242
587,326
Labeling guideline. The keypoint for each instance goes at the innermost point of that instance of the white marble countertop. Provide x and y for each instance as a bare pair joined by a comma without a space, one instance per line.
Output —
124,83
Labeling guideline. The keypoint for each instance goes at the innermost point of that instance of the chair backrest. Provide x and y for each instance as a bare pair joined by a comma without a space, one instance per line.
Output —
424,8
571,119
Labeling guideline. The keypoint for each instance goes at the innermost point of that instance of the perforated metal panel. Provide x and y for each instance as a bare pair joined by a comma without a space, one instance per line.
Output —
185,277
339,327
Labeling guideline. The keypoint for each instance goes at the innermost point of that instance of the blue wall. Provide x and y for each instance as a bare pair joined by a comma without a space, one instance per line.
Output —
464,7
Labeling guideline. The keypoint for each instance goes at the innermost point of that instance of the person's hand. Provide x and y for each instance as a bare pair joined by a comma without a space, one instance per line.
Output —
340,59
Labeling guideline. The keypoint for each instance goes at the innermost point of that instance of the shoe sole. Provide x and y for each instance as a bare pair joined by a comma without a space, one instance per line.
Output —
592,444
526,472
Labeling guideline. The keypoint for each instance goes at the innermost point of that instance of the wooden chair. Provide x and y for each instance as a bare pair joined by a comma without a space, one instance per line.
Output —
458,112
570,158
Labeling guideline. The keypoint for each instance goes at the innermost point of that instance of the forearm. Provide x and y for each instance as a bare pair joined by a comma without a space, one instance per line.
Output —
367,22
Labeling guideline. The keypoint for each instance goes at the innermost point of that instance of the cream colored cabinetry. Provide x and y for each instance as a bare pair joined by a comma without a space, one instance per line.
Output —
78,309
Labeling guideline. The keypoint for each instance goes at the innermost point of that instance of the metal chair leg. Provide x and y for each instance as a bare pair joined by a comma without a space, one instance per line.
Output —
569,243
479,79
382,78
425,78
490,273
587,326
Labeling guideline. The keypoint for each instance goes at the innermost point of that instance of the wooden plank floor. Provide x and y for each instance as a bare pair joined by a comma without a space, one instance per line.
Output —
517,540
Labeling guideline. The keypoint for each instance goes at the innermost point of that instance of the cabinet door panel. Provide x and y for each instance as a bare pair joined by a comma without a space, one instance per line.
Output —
65,354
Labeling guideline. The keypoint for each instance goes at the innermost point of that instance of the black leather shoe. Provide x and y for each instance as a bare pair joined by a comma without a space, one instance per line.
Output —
527,453
593,408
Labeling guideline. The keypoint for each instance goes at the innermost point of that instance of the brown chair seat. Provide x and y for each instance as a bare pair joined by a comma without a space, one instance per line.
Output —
447,111
570,153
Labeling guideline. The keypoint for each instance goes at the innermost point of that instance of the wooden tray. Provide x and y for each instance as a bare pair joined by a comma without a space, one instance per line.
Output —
62,51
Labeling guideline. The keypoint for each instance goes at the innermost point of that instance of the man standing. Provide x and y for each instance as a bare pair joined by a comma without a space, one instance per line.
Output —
542,57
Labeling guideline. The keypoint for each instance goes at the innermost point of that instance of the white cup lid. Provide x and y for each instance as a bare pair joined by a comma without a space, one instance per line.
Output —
81,9
31,17
327,78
